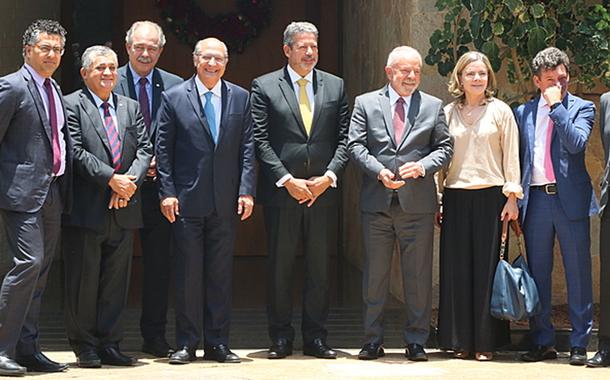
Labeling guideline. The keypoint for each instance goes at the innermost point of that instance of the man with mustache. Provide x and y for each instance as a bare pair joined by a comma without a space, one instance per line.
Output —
111,157
398,138
558,200
141,80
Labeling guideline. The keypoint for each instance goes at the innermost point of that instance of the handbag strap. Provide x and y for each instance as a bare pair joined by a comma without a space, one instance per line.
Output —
518,233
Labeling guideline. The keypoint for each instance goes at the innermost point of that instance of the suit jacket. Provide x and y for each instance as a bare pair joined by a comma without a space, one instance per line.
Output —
161,81
372,146
205,176
26,153
282,144
604,123
573,121
93,160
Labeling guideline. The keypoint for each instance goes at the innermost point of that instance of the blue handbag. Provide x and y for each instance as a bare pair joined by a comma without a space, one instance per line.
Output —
514,295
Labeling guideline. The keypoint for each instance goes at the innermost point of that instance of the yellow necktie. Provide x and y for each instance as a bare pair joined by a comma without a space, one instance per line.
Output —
304,105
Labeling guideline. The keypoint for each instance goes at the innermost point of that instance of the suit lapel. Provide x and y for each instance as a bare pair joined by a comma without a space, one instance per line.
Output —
193,96
157,89
386,110
530,123
318,90
412,112
93,113
225,98
127,85
121,116
44,119
288,92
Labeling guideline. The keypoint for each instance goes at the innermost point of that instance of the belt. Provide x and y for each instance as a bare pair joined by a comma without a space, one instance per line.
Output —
549,188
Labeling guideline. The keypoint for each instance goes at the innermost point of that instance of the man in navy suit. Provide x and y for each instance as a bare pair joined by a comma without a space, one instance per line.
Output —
141,80
35,176
558,199
205,165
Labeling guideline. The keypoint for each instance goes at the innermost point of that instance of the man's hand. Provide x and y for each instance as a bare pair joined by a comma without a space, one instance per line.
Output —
298,189
245,206
116,202
411,170
552,94
387,178
170,208
317,187
152,168
123,185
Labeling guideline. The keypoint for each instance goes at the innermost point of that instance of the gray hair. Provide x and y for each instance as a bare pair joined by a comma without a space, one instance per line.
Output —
197,49
95,51
402,52
33,31
137,24
549,58
297,27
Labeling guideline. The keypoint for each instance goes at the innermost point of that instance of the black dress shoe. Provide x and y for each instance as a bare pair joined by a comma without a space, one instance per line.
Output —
111,355
38,362
280,349
539,353
183,356
220,353
88,359
578,356
319,349
416,353
371,351
601,359
157,347
8,367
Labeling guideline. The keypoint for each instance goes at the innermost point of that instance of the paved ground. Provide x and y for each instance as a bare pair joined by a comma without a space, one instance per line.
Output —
393,366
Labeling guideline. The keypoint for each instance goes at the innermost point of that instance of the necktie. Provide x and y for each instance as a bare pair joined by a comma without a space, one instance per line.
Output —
143,99
398,121
113,137
210,115
54,131
304,105
548,163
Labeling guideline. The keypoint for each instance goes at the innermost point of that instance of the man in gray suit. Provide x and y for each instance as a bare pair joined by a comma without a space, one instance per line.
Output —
602,357
35,175
111,157
399,138
141,80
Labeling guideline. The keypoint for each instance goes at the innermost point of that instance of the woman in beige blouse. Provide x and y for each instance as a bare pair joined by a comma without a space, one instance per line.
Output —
480,188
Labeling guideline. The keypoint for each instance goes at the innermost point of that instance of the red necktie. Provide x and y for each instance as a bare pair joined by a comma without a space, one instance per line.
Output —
54,130
143,100
398,121
113,137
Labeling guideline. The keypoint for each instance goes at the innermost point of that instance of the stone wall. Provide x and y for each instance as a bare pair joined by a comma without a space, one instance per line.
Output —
370,30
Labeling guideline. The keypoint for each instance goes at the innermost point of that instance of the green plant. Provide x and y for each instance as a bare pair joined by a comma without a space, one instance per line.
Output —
511,32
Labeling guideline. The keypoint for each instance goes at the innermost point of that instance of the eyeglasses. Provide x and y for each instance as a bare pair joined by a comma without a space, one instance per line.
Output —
46,49
208,58
150,48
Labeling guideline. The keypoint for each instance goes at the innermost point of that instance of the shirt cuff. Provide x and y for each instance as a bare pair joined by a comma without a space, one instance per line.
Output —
423,169
333,177
283,180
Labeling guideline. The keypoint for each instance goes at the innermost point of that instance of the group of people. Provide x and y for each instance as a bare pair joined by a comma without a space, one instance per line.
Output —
140,150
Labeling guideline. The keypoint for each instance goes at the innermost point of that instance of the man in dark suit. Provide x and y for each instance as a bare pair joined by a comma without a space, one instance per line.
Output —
35,175
141,80
205,158
399,138
111,157
602,357
558,199
300,117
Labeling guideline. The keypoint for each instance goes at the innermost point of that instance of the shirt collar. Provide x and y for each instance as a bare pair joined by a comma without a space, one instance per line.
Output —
202,89
37,77
394,96
98,102
541,102
136,76
294,77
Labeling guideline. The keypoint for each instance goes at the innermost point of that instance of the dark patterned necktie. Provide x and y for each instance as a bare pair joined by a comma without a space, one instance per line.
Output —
143,99
54,130
398,121
113,137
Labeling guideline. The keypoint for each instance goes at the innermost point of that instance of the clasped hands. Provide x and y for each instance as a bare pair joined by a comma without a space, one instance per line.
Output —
123,187
307,190
405,171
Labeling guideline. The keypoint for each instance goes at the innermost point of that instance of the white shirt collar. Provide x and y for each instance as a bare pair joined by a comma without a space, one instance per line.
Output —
98,101
294,76
541,102
394,96
202,89
136,76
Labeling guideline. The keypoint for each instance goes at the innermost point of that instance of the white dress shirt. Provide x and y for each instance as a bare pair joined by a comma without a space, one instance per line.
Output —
540,143
216,99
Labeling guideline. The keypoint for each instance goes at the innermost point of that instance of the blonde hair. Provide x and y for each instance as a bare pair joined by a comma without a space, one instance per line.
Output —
455,86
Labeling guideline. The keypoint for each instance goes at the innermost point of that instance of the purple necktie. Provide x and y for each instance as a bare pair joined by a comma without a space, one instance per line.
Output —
113,137
398,121
143,99
54,131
